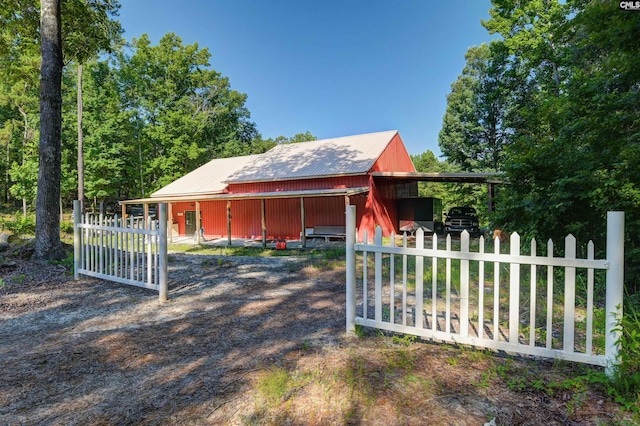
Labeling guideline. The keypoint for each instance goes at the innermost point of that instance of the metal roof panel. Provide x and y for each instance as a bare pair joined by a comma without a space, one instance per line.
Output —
326,157
206,179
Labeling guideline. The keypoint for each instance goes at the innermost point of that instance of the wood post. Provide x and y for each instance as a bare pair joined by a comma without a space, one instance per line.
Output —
263,214
198,224
229,223
170,221
303,235
490,201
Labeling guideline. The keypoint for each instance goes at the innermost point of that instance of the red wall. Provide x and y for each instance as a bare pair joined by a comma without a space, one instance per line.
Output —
394,158
380,208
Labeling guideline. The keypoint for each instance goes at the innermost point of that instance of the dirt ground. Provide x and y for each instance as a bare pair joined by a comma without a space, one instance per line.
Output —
236,332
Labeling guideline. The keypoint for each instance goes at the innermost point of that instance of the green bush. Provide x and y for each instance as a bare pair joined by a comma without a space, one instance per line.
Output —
20,225
66,227
627,373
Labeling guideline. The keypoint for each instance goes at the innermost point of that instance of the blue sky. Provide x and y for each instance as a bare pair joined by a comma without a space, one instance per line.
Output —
334,68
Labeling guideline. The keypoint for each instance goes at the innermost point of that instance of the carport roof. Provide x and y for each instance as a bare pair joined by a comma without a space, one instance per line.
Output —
459,177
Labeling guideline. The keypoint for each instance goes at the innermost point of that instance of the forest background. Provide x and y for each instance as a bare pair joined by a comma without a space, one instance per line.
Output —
552,105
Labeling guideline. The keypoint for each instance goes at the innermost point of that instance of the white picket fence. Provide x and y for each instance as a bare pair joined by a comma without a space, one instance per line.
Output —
132,252
402,302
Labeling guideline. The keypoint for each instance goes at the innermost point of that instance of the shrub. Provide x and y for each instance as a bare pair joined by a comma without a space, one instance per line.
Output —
20,225
627,373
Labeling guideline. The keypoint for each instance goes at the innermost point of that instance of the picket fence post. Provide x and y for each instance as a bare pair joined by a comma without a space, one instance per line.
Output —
351,269
615,287
163,287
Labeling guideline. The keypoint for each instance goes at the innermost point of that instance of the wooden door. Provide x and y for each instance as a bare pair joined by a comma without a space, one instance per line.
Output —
190,222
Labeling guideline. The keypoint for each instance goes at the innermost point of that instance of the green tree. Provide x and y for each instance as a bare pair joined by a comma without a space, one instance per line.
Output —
301,137
575,139
259,145
182,112
474,131
19,83
427,162
89,31
24,175
111,170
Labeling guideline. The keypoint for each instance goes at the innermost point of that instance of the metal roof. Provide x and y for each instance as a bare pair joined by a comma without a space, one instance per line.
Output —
346,155
253,195
206,179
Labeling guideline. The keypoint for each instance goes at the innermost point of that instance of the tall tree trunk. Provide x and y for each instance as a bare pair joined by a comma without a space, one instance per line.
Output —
48,245
80,140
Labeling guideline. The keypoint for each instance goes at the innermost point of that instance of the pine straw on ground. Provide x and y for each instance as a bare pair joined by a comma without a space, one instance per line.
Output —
248,340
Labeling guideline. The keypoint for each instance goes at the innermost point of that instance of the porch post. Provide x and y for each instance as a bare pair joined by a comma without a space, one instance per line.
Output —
615,287
169,221
198,224
490,201
303,238
351,269
229,223
264,222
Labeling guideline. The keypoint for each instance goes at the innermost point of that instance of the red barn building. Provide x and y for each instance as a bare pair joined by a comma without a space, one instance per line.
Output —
293,188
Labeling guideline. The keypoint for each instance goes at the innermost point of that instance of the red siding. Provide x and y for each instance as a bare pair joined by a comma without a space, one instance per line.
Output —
377,212
246,221
178,209
325,211
214,216
394,158
283,218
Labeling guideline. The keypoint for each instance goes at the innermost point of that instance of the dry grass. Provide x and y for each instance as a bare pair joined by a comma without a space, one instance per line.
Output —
250,340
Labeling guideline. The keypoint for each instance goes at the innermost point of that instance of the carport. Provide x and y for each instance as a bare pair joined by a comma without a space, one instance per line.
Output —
490,179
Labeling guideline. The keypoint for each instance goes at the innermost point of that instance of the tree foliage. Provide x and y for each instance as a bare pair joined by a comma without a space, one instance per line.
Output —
571,93
474,129
163,111
151,112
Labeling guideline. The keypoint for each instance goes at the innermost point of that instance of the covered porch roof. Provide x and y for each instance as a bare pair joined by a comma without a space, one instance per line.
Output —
252,195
